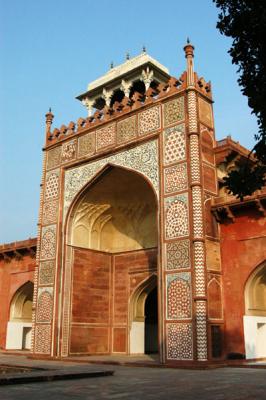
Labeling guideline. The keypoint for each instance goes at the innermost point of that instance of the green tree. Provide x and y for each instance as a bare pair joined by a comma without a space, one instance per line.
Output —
245,22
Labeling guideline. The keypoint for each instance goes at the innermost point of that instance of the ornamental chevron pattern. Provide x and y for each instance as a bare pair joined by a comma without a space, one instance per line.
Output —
201,329
197,212
192,111
194,159
199,269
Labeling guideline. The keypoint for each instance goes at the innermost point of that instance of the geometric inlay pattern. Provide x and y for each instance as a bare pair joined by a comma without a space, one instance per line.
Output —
197,212
175,178
201,328
49,212
192,111
174,144
43,339
194,158
149,120
46,272
176,216
199,261
48,242
86,144
66,302
105,136
53,158
177,254
69,150
178,295
52,184
126,129
179,341
142,158
173,111
45,305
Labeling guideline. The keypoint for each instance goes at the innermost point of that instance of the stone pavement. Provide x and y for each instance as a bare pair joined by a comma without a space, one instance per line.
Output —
16,369
141,383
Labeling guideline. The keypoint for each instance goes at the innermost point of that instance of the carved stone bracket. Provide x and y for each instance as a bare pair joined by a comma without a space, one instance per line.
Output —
88,103
31,251
18,255
223,212
6,257
125,87
107,95
147,77
260,207
229,213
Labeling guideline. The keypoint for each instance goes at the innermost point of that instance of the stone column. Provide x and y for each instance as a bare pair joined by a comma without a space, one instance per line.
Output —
197,212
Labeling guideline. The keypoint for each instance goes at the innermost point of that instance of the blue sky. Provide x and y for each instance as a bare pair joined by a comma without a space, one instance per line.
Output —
51,50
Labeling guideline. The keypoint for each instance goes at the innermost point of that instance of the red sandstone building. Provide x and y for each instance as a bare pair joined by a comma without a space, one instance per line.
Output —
139,249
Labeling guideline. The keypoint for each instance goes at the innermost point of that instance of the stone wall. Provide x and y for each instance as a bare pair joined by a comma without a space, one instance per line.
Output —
102,286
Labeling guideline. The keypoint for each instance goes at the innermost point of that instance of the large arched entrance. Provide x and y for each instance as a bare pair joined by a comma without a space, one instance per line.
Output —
20,319
112,233
255,314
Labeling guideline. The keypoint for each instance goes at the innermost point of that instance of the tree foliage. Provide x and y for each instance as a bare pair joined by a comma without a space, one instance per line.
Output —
245,22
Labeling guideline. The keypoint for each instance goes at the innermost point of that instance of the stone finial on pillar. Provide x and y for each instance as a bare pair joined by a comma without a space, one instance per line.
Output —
49,120
189,52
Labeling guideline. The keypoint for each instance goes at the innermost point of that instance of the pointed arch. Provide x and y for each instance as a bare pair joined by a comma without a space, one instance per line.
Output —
255,292
21,303
20,318
115,211
139,296
144,317
255,313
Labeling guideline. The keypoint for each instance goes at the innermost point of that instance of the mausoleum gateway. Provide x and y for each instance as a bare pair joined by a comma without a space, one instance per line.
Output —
140,249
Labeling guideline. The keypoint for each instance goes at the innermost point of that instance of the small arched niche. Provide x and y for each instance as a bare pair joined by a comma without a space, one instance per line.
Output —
20,318
116,213
255,293
144,318
255,314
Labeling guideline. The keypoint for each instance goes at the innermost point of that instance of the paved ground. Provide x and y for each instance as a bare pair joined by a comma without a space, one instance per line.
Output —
143,383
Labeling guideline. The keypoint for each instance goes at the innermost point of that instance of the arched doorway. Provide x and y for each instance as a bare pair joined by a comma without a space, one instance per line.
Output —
144,318
255,314
20,318
151,322
112,235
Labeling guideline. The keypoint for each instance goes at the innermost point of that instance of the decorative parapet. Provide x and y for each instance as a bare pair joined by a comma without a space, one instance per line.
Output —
18,249
108,113
223,207
227,146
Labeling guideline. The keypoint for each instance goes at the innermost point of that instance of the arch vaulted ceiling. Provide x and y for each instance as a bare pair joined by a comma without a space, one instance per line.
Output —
117,213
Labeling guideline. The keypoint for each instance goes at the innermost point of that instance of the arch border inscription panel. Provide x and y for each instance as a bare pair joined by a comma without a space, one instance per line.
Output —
143,159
